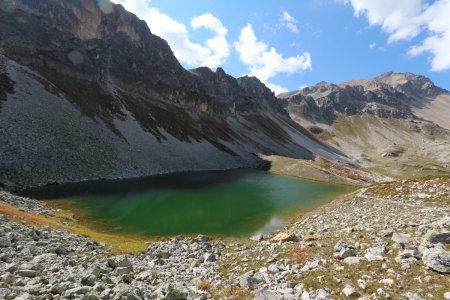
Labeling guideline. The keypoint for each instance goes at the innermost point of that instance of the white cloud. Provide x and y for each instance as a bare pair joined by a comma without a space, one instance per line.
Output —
407,19
212,54
218,44
372,45
264,62
277,89
289,22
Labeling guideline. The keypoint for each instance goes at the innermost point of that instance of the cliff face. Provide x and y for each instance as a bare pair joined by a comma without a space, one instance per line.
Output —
390,95
87,91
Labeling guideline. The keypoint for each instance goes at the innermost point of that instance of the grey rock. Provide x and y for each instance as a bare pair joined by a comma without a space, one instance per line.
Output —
267,295
434,237
412,296
344,249
383,294
4,292
350,292
437,258
401,238
27,273
5,242
249,282
257,237
323,295
82,290
210,257
123,270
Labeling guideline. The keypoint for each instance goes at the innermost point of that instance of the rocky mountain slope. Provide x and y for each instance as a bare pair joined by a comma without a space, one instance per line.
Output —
88,92
396,121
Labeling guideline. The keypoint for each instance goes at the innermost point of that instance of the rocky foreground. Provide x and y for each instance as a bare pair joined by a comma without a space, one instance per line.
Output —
388,241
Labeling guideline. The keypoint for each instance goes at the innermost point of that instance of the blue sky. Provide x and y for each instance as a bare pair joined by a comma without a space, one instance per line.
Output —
294,43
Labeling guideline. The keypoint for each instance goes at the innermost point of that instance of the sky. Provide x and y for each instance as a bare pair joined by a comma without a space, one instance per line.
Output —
291,44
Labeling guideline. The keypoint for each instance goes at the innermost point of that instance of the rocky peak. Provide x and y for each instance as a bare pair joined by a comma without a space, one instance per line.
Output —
387,95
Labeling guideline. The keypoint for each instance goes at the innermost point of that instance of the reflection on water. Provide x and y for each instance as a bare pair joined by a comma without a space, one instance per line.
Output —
225,203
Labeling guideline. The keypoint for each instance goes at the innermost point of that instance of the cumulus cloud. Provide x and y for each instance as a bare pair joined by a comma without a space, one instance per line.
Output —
289,22
212,53
277,89
264,61
407,19
218,44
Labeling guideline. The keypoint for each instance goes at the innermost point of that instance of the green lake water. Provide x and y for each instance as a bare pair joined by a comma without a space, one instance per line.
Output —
221,203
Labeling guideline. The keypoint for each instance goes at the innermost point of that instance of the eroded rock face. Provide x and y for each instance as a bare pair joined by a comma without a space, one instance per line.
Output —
385,96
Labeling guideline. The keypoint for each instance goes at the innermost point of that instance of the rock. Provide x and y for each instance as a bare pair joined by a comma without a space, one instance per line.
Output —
267,295
89,280
447,295
382,293
350,292
362,284
5,242
123,270
323,295
249,282
401,238
410,252
310,265
284,237
210,257
273,268
353,260
434,237
82,290
412,296
124,263
437,258
112,263
387,281
27,273
376,253
343,249
257,237
4,292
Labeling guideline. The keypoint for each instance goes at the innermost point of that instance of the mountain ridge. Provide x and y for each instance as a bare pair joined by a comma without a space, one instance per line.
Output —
108,99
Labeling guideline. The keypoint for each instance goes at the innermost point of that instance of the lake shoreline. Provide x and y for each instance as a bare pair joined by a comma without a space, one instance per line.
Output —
287,264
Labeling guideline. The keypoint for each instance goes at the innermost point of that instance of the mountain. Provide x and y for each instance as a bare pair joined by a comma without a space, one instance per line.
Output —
88,92
394,123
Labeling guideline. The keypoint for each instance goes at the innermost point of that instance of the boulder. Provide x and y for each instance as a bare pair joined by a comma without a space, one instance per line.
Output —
344,249
284,237
350,292
401,238
437,258
434,237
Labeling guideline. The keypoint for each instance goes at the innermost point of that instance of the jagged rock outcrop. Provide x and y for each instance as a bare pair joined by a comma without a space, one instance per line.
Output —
396,121
88,92
388,95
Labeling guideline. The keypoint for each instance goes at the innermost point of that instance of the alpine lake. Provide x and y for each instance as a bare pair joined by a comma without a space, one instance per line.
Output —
233,203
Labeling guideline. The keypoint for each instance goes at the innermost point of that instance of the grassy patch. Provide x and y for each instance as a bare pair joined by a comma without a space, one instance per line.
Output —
232,293
300,255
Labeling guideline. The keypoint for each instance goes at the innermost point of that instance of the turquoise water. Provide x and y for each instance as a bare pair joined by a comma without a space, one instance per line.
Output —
223,203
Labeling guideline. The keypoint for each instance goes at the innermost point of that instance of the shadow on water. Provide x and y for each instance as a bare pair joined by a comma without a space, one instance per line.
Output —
221,203
178,181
